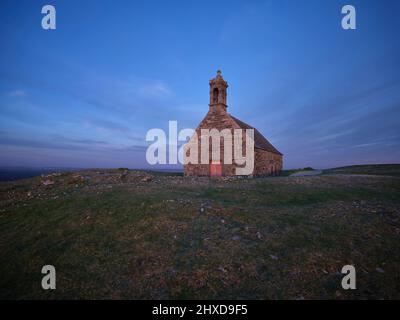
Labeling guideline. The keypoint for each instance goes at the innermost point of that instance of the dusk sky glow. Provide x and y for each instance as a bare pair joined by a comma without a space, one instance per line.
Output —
85,94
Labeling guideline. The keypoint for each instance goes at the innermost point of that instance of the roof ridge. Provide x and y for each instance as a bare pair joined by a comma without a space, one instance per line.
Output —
260,141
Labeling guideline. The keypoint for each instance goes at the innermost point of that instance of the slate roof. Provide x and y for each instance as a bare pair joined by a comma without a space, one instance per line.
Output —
260,141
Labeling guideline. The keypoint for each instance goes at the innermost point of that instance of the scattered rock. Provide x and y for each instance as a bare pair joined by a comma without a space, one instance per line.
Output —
380,270
47,182
222,269
75,179
172,271
146,179
273,257
295,272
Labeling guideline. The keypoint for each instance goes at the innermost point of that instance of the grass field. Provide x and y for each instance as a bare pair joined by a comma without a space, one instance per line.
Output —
136,235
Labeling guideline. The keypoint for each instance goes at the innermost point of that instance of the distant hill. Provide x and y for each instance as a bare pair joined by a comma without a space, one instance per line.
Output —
374,169
17,173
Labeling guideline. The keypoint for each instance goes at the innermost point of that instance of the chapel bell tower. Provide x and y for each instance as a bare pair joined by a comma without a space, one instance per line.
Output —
218,88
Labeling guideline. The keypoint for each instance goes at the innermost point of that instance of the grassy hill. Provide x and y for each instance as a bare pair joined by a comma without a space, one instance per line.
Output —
138,235
373,169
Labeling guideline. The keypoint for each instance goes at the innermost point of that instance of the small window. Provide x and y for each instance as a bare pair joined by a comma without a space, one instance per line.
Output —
215,95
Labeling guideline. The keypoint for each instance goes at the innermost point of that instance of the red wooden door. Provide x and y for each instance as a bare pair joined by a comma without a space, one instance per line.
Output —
215,170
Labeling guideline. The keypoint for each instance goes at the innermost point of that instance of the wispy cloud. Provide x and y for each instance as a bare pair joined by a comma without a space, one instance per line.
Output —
17,93
58,142
107,125
155,89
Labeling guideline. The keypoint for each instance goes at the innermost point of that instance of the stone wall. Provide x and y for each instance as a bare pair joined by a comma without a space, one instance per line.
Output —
216,118
265,162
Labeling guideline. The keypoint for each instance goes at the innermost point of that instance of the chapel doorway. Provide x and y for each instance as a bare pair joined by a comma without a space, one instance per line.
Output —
215,169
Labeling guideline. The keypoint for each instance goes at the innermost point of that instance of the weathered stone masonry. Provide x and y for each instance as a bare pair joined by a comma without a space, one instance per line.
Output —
267,159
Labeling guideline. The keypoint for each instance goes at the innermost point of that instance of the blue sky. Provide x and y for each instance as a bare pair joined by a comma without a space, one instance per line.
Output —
85,94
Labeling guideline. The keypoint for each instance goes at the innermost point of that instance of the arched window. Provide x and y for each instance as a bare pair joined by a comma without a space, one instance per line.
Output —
215,95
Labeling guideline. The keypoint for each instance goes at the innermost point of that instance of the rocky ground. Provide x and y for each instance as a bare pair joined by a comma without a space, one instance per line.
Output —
140,235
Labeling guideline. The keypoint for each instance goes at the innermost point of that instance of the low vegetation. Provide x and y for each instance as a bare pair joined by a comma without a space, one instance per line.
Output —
286,173
137,235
